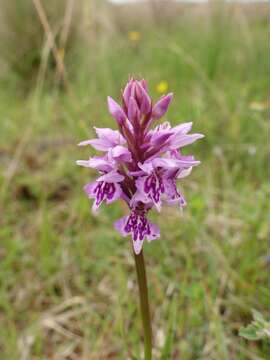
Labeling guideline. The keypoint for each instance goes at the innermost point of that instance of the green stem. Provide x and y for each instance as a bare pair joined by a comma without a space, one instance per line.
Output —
145,311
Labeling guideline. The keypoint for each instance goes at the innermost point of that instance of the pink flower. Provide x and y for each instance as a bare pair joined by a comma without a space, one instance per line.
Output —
139,227
140,164
106,187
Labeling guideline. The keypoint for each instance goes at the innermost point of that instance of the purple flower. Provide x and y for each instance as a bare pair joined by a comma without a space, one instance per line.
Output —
106,187
139,227
141,164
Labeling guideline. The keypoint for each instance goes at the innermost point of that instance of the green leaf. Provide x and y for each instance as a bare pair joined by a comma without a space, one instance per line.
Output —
258,329
249,332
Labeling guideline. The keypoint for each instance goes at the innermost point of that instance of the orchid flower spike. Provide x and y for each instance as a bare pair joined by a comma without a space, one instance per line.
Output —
141,163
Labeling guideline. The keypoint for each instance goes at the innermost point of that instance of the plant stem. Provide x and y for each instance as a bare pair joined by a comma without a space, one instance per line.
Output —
145,311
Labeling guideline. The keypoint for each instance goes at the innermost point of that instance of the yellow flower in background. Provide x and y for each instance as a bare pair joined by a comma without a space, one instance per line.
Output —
162,87
134,36
259,106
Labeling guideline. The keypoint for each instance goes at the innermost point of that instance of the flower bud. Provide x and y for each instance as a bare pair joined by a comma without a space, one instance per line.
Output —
133,111
161,107
144,99
129,89
116,111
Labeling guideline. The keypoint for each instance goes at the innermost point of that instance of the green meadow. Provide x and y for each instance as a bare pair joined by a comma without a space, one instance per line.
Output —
68,285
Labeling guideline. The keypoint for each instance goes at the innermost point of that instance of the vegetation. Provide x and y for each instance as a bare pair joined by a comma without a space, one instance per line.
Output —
68,288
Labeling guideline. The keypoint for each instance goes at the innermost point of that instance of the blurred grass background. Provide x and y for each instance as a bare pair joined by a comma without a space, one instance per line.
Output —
67,281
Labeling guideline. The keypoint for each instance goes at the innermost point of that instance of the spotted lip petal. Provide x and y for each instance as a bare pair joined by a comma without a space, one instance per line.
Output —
173,195
139,227
151,187
102,190
140,165
158,181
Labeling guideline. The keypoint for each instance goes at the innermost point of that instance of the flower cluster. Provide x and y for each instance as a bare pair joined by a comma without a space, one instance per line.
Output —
141,162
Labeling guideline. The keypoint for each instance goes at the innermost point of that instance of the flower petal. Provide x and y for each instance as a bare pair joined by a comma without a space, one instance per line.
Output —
133,111
111,177
161,107
182,128
139,196
97,162
120,226
111,136
172,163
90,188
115,195
84,163
101,190
147,167
159,138
116,111
137,245
179,141
150,188
184,173
121,153
98,144
100,163
85,142
154,232
128,91
145,100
